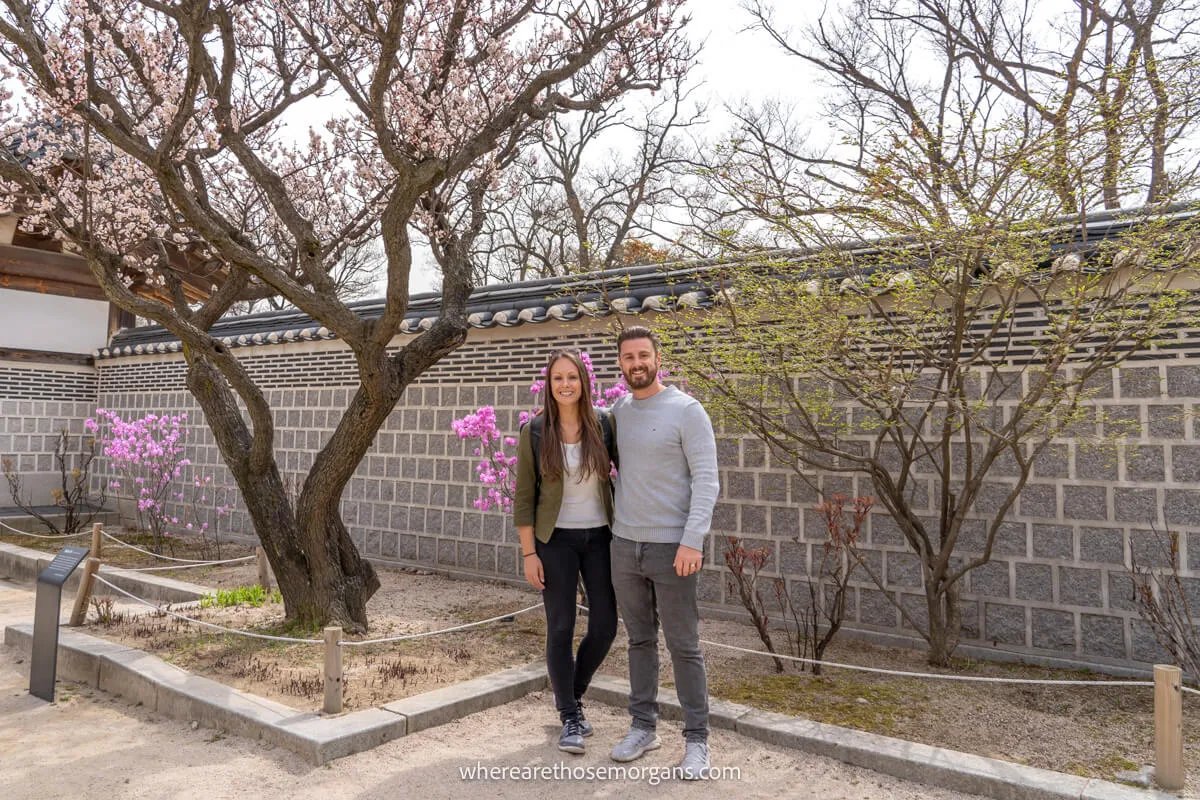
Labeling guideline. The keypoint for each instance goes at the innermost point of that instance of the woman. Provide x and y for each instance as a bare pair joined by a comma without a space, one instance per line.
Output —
563,509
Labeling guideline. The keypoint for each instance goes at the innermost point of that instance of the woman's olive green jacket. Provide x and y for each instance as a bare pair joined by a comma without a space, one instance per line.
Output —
538,500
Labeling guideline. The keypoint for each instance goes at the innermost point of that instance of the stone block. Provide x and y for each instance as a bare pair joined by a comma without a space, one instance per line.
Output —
785,522
1185,463
1012,539
903,570
1135,505
1054,630
754,453
1165,422
793,558
773,487
1149,547
1080,587
1183,382
1141,382
1004,624
1101,545
1145,646
1181,508
1145,462
1053,541
1095,462
753,520
916,610
874,608
1034,582
739,485
725,518
991,580
885,531
1120,592
1039,500
1102,636
1085,502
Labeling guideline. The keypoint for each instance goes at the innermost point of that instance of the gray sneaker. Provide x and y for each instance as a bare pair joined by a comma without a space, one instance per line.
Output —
635,744
585,727
571,740
695,761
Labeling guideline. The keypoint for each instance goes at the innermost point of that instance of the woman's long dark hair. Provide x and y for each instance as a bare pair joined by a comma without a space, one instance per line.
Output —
594,455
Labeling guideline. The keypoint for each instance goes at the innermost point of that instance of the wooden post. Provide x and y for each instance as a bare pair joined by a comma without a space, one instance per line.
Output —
1168,727
333,670
97,538
79,610
264,573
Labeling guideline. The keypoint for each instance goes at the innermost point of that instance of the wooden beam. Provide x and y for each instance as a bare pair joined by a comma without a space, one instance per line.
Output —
21,283
46,357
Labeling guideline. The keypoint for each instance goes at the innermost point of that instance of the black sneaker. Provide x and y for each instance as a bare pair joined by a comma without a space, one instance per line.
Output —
571,740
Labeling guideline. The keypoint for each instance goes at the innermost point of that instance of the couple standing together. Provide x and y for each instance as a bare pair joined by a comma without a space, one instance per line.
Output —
636,539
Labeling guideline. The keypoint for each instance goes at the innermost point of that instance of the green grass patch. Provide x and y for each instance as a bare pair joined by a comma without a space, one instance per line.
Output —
254,595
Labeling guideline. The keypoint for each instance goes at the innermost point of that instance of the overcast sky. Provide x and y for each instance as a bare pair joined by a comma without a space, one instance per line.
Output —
735,64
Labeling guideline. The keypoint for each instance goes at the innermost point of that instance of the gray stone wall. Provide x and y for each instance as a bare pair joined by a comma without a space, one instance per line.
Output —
1056,586
36,402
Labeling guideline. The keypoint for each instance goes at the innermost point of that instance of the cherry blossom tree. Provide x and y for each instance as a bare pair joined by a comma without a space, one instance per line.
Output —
264,141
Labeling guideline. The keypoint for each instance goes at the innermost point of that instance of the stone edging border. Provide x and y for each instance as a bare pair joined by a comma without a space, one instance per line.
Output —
23,565
149,681
921,763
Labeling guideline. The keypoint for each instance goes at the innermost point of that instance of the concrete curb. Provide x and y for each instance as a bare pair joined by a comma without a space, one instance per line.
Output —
146,680
934,766
23,565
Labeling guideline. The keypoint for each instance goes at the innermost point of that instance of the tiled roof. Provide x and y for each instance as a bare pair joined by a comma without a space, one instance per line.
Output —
628,290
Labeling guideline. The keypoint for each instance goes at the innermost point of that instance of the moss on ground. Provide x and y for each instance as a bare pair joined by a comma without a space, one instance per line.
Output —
872,707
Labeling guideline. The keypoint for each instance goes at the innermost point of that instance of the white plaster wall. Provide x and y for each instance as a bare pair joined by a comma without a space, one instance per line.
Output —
32,321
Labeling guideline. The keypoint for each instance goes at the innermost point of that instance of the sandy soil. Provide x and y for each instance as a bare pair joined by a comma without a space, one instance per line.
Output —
89,745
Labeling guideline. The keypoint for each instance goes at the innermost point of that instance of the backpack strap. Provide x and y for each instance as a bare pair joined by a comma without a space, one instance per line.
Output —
536,426
608,430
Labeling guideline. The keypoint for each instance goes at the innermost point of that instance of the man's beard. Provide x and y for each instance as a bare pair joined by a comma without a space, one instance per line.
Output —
639,379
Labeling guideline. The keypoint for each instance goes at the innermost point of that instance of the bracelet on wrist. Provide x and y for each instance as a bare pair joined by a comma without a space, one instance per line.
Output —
527,555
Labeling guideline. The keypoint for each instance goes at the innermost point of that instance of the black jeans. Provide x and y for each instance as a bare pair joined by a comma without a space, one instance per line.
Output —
569,554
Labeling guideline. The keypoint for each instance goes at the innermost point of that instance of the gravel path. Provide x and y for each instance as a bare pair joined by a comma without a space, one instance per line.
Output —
89,745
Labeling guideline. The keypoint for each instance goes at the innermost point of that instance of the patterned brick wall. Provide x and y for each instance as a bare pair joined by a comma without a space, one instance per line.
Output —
1056,585
36,402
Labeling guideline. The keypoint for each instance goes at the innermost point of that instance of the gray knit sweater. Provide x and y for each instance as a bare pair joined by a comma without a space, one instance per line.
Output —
667,483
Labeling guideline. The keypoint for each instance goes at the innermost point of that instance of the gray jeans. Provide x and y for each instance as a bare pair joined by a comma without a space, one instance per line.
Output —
647,589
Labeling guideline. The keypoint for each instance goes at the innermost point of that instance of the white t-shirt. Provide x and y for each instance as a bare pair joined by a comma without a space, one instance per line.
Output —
582,506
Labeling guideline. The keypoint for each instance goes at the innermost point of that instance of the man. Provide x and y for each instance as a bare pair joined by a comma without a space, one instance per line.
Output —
666,488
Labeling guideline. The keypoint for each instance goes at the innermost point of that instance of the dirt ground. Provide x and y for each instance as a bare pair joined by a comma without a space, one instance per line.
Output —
88,744
1096,732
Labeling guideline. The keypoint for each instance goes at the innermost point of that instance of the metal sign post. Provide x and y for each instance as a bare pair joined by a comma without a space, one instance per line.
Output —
46,612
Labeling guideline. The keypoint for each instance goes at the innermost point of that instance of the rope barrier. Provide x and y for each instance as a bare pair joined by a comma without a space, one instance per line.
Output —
188,566
749,651
906,674
195,561
308,641
444,630
208,624
44,535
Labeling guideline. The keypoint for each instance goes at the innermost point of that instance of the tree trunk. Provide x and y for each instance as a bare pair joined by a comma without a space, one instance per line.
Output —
945,623
321,576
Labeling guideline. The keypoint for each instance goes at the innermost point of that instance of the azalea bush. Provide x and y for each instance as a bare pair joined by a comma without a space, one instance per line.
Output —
148,458
497,467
